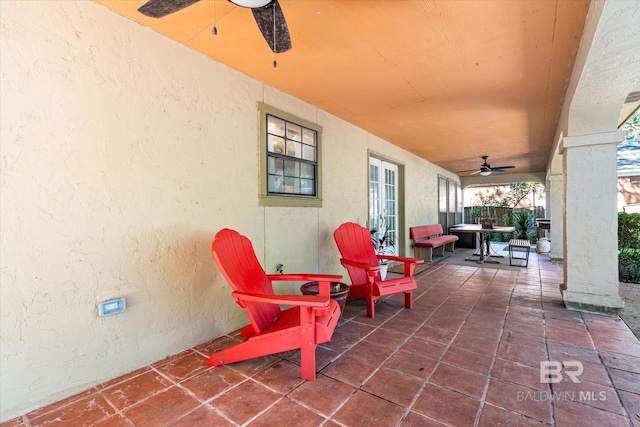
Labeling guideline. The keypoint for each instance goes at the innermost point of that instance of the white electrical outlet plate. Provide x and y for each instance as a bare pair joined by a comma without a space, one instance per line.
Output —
114,306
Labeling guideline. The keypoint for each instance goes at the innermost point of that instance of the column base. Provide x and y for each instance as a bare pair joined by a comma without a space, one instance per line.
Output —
592,303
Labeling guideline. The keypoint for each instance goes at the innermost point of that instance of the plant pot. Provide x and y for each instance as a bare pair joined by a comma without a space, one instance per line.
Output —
383,270
543,246
339,292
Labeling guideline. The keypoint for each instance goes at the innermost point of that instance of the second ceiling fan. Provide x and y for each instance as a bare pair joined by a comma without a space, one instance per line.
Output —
486,169
267,13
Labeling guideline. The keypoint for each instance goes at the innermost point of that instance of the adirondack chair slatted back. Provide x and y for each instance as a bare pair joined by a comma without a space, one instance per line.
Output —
234,255
354,243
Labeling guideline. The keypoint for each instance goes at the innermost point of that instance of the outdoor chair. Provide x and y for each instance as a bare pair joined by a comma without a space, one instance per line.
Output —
310,321
363,265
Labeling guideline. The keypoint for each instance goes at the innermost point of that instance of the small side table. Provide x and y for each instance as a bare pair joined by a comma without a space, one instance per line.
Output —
340,295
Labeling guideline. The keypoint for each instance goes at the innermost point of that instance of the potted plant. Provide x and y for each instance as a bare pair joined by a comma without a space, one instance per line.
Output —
383,243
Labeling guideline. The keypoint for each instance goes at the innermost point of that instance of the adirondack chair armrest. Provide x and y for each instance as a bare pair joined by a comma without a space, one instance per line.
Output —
315,301
305,277
372,270
401,259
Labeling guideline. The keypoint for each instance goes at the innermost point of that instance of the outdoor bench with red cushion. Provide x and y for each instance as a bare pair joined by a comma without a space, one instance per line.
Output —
426,238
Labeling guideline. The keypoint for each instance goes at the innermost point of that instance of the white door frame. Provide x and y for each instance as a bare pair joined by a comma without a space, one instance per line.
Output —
383,200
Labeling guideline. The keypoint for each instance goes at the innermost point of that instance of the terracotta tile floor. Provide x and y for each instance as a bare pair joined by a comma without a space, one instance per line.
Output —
468,354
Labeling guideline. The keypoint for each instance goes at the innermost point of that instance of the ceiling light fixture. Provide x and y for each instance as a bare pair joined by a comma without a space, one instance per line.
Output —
485,173
250,3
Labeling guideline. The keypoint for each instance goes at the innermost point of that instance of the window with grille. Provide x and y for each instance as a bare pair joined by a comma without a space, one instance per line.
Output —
290,153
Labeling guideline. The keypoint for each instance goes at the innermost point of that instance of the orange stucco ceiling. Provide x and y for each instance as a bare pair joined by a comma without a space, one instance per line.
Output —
447,80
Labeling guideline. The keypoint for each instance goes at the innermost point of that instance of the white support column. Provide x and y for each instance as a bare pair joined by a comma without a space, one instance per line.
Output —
590,223
555,200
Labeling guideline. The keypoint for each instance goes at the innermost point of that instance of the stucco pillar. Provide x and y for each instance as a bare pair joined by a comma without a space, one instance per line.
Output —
555,201
591,223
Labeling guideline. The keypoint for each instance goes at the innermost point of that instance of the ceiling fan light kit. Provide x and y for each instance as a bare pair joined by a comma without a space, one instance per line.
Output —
250,3
486,169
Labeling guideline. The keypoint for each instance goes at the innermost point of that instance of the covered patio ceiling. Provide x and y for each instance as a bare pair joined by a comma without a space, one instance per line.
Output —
449,81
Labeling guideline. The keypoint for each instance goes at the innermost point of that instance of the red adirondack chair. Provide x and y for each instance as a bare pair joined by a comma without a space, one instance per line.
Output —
311,320
363,265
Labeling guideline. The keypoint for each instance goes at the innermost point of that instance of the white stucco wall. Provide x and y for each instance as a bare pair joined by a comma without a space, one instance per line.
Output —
122,153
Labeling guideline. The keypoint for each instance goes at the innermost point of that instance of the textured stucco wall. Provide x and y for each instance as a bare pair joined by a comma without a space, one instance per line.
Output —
122,153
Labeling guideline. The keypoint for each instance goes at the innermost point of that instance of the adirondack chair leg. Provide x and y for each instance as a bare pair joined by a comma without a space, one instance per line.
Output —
408,299
308,361
371,306
307,344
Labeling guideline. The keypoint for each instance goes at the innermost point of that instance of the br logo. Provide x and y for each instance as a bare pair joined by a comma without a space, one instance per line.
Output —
551,371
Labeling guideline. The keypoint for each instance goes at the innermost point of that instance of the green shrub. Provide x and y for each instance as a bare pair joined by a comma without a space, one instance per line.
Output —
524,222
628,230
629,247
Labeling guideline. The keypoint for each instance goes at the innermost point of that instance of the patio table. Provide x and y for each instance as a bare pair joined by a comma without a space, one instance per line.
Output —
484,242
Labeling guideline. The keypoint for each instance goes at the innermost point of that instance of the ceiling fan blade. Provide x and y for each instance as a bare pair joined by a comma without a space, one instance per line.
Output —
476,172
501,168
265,17
160,8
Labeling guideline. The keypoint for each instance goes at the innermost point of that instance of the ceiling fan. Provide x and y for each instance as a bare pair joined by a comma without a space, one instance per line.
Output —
267,13
486,169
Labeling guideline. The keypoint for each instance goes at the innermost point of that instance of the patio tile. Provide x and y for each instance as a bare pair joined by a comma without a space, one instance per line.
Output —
447,406
345,337
631,402
462,358
621,361
133,390
414,419
431,349
161,408
370,352
590,394
516,338
624,380
443,336
203,416
210,347
324,356
60,405
523,400
400,326
412,364
595,373
569,413
282,377
84,411
349,370
14,422
324,394
286,412
520,354
476,343
393,386
525,375
212,382
461,380
367,410
524,328
244,402
559,351
253,366
113,421
493,416
629,348
123,378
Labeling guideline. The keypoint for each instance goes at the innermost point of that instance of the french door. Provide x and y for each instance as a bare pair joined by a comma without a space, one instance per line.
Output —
383,202
449,203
